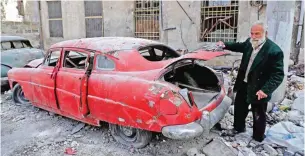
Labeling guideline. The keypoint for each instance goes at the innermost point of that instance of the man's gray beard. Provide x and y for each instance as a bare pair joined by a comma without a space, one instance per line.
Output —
256,43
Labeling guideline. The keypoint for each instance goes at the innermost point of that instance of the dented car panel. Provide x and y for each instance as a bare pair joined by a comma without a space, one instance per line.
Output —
129,88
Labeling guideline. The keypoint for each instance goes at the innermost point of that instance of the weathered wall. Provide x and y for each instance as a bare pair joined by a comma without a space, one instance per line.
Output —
280,17
118,18
28,30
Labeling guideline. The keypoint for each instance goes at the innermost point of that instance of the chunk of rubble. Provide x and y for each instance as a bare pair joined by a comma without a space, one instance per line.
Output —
192,152
270,150
298,104
77,128
217,147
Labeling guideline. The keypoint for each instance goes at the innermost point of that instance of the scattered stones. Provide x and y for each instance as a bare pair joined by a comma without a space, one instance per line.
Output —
270,150
231,110
74,144
78,128
192,152
18,118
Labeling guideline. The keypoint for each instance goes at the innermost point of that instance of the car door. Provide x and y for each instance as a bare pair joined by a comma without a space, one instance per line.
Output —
43,80
71,81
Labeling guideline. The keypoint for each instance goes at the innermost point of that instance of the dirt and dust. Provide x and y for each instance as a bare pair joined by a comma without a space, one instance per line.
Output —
28,130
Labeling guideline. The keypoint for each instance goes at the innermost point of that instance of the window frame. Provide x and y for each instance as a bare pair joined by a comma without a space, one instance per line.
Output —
85,52
55,19
96,67
50,51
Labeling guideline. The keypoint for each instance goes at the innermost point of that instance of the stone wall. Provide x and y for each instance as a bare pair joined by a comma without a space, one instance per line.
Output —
27,30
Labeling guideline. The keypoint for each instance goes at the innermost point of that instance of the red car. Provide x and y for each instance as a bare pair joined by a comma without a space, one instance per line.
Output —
138,86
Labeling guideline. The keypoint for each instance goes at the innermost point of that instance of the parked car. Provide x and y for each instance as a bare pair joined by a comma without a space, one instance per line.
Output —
16,52
136,85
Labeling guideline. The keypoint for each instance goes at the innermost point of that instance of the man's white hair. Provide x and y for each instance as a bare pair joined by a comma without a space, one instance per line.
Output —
265,27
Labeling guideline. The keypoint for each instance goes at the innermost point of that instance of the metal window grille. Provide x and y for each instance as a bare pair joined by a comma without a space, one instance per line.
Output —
147,19
94,18
219,20
55,18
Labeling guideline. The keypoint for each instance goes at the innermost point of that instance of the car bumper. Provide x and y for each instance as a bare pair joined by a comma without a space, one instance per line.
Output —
4,81
197,128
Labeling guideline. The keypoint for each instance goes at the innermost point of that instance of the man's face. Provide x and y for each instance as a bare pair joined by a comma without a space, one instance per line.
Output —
257,32
257,35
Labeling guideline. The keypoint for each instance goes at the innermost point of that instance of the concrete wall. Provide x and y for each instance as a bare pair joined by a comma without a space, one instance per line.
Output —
28,30
118,18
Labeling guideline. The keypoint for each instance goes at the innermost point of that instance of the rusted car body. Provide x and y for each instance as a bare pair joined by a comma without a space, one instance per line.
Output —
138,86
16,52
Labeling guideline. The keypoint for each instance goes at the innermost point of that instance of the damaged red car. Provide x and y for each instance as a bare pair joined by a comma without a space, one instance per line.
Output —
138,86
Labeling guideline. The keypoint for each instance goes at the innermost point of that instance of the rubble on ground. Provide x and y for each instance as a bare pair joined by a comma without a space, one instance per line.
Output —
289,111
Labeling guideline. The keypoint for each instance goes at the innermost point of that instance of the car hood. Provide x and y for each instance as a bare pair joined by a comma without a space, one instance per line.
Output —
20,57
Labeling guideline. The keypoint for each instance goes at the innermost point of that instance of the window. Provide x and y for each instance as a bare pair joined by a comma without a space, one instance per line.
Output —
18,44
55,19
74,59
157,53
6,45
147,19
52,58
94,18
219,20
105,63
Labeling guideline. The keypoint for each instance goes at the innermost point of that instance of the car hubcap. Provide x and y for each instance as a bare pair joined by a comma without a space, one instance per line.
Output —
21,96
128,133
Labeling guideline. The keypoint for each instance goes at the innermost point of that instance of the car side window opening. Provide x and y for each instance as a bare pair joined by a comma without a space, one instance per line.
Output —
157,53
18,44
104,63
75,59
6,45
52,58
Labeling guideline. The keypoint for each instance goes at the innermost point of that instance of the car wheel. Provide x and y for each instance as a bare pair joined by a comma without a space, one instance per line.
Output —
130,136
18,95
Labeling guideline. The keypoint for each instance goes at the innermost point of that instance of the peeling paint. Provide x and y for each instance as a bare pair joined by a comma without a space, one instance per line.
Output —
121,119
151,103
139,121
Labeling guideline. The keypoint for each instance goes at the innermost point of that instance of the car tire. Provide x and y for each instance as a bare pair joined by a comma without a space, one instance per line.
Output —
130,136
18,96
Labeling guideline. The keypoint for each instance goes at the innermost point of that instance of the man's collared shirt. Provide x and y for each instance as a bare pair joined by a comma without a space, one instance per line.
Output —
253,55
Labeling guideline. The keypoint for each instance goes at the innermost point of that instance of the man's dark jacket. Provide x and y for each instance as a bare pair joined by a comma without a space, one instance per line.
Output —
266,72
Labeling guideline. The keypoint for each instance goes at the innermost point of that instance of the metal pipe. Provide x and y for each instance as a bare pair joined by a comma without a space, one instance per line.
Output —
301,24
185,12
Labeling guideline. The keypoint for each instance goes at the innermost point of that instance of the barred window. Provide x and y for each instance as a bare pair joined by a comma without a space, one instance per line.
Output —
219,20
94,18
55,18
147,19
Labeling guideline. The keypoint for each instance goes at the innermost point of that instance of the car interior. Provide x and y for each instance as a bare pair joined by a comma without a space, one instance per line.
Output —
158,53
73,59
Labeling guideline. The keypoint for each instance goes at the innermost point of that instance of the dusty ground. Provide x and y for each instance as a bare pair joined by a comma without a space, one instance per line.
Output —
28,130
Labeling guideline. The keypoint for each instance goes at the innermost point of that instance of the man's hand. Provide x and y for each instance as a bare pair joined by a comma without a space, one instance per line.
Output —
220,44
261,95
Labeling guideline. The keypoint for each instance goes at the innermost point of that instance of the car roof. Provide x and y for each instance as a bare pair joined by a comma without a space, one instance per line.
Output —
107,44
12,38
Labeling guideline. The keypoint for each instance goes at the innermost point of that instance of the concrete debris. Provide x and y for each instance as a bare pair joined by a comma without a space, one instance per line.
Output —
217,147
244,151
192,152
78,128
298,104
231,110
270,150
297,69
287,102
296,117
18,118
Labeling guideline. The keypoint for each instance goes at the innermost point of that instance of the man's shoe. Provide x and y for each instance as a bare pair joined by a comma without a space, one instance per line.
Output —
259,139
232,132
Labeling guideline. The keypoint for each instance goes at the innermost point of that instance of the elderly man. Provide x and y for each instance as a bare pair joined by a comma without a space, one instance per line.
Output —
260,73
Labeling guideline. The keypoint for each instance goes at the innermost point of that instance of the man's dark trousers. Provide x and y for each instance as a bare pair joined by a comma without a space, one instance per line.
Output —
241,112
